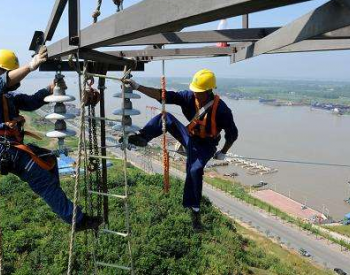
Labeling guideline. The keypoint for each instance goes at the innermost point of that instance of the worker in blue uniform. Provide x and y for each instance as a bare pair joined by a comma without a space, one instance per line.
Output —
24,160
208,116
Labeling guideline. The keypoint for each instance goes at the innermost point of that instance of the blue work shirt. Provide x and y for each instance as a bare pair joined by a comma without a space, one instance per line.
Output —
18,101
224,119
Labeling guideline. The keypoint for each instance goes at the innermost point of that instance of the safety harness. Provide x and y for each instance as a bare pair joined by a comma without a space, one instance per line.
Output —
198,124
18,136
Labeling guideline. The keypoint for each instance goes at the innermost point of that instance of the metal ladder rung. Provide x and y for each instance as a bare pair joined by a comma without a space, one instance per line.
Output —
108,195
102,157
114,232
113,265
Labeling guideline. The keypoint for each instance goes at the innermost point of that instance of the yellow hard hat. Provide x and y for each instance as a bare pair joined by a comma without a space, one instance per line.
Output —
8,60
203,80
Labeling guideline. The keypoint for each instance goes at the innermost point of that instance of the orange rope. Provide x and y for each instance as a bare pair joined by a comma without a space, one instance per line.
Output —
165,149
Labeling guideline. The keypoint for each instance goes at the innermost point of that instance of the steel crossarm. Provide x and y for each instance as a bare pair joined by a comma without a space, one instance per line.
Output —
149,54
214,36
331,16
315,45
139,20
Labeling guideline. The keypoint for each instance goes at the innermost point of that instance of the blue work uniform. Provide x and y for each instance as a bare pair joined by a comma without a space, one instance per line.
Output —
199,150
44,183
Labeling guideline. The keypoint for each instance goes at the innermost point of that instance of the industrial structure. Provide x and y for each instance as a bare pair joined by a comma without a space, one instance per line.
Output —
325,28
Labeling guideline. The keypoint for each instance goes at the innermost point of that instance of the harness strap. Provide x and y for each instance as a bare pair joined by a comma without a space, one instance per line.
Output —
47,165
202,133
214,129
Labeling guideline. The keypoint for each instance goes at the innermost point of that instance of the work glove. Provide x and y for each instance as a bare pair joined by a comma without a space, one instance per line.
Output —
132,83
17,121
38,59
219,155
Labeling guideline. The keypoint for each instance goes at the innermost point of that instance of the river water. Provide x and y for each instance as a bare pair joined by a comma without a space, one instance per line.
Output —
291,133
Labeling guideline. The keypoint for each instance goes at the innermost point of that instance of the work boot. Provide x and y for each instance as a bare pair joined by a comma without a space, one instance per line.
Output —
88,222
136,139
196,220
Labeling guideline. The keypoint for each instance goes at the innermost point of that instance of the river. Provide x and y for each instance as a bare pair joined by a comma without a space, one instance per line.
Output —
291,133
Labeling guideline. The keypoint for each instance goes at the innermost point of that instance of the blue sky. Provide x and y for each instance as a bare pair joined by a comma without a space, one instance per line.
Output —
19,19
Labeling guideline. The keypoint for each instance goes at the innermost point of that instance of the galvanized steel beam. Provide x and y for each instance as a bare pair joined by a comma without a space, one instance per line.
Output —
329,17
245,21
149,54
74,22
230,35
155,16
55,17
106,58
54,65
315,45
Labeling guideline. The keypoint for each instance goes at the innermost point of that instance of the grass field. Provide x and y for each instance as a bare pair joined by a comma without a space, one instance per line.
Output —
341,229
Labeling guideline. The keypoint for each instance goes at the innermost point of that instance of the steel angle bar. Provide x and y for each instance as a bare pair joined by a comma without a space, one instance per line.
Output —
328,17
105,76
55,17
315,45
103,157
342,33
186,57
212,36
245,21
54,65
139,20
74,22
152,53
106,58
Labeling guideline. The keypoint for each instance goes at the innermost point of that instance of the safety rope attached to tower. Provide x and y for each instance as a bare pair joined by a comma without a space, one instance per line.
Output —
164,137
81,146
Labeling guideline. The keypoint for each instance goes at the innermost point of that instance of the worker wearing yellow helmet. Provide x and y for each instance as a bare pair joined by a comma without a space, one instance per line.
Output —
22,159
208,115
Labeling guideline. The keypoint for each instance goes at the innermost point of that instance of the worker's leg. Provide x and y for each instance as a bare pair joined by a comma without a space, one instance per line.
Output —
153,129
197,158
46,184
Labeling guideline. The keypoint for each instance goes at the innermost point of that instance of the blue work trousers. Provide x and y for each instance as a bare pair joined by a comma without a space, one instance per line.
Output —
199,152
44,183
